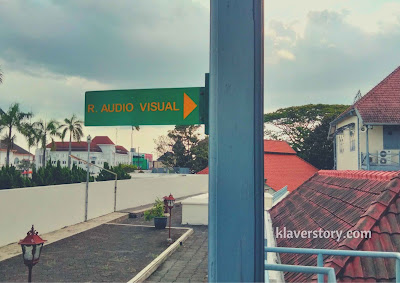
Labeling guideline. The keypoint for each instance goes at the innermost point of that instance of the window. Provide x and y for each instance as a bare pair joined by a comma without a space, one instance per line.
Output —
391,137
341,142
352,134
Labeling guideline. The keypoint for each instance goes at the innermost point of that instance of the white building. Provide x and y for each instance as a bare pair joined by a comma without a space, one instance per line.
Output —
17,154
102,150
367,135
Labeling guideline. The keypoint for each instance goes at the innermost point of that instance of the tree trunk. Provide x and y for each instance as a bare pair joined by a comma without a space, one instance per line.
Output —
8,147
44,151
69,152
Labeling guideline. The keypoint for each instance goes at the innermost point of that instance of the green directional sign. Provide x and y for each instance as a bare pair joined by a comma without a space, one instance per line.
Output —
164,106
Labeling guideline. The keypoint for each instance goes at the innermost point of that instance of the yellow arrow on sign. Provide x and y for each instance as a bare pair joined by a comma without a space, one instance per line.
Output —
188,105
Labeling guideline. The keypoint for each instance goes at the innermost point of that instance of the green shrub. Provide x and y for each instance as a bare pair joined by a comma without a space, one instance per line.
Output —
156,211
105,176
128,168
44,176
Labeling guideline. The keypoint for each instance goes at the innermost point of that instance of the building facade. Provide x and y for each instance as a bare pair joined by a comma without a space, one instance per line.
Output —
102,150
367,135
17,154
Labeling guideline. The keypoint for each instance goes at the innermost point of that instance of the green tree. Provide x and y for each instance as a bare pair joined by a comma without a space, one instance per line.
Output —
45,130
182,147
303,128
13,121
200,152
119,170
72,126
29,132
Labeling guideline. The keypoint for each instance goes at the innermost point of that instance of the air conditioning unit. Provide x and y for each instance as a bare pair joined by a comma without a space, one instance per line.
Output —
385,157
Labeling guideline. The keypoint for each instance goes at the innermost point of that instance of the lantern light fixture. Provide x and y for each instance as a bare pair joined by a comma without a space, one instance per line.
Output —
31,246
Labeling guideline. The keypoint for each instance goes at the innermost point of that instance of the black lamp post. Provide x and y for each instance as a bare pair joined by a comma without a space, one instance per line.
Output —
170,203
31,248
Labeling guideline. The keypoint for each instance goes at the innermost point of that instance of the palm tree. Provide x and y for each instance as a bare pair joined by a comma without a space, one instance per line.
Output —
12,120
29,132
44,130
74,127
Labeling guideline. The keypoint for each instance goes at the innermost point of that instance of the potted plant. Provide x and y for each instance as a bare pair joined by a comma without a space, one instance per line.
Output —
157,213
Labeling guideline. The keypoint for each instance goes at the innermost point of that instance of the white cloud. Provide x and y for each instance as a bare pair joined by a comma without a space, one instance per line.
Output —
285,54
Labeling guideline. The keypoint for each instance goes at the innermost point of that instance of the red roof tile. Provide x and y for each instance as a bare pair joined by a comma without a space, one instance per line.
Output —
272,146
382,103
282,170
75,146
17,149
121,149
282,167
204,171
102,140
344,200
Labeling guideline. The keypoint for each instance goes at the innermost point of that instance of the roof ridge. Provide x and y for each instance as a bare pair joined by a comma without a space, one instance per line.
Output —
361,174
354,105
377,86
366,222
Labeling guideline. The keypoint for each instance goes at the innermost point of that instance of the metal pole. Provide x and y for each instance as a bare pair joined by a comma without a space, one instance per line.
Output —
115,194
30,273
170,216
87,183
367,147
320,263
236,125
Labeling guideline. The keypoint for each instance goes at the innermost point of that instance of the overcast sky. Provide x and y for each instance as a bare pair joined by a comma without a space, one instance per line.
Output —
316,51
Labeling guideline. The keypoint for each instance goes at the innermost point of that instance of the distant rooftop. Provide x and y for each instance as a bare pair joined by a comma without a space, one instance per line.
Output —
83,145
16,148
282,167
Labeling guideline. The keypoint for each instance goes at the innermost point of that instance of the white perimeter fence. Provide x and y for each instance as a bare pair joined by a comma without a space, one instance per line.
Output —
53,207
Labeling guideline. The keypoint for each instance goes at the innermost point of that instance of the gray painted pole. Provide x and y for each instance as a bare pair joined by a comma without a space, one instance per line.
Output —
236,202
89,140
367,147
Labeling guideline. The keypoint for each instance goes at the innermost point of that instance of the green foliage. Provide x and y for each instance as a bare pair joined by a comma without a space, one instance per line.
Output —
182,147
306,128
105,176
129,168
50,175
297,122
156,211
12,121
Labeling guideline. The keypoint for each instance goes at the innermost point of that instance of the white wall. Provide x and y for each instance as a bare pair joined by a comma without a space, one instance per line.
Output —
53,207
347,160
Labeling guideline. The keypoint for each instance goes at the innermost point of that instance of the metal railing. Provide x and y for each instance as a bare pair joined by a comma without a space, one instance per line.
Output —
278,194
375,159
320,258
111,172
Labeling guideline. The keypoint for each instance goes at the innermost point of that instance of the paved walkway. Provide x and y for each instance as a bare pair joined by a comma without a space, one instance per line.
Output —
188,263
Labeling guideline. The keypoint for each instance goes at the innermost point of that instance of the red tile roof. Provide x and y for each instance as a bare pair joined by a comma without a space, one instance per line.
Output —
121,149
102,140
282,167
382,103
83,146
343,201
15,148
204,171
75,146
272,146
282,170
